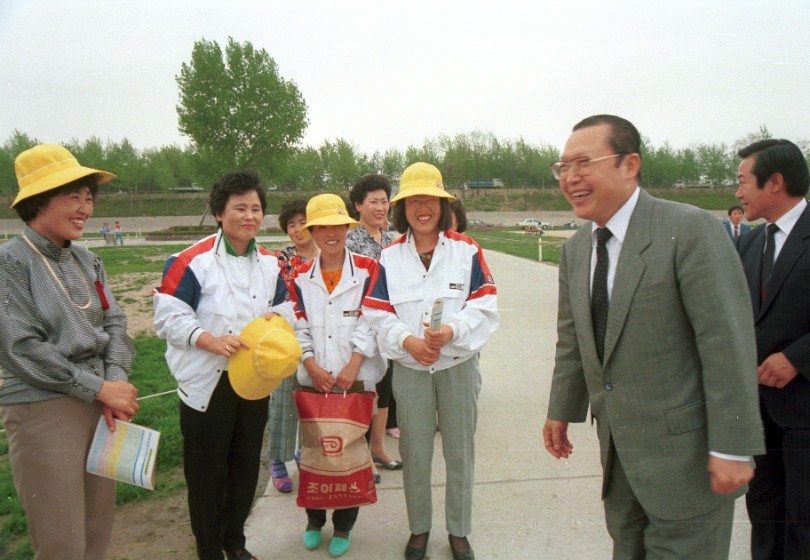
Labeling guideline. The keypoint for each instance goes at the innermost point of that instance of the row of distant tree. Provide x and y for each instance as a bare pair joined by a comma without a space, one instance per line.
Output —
238,112
335,165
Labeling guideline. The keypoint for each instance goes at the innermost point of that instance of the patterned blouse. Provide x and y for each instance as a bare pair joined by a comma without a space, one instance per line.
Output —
360,241
288,261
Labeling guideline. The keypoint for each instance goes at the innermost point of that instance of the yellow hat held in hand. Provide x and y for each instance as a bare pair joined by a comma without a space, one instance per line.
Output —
272,356
423,179
327,210
49,166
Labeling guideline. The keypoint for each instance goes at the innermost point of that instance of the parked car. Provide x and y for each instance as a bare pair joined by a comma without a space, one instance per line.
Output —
533,222
476,223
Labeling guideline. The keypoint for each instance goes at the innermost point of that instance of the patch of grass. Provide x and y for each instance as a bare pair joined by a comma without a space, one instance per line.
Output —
151,375
518,244
140,258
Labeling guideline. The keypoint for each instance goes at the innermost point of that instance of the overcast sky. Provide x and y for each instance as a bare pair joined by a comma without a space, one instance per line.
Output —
392,74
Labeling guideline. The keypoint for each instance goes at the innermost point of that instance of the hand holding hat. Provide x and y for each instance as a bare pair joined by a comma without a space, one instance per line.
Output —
272,354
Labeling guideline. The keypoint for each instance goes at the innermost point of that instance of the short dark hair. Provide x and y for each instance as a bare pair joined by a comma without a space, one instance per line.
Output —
624,137
235,182
28,208
363,186
401,221
289,210
779,156
461,215
733,208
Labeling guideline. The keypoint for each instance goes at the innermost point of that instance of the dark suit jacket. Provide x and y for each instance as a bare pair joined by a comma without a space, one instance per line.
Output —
782,319
676,380
744,228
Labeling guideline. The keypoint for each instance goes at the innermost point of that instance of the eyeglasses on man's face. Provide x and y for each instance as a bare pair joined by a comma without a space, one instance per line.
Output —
417,201
582,165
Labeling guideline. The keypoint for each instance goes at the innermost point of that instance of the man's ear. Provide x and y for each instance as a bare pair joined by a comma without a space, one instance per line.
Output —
776,183
632,165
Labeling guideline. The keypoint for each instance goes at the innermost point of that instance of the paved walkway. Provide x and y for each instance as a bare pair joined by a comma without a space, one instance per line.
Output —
527,505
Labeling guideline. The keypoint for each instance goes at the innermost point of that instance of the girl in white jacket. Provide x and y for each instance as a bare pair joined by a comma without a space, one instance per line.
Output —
339,349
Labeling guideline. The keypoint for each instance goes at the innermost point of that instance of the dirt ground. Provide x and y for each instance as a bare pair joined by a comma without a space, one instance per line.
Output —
156,529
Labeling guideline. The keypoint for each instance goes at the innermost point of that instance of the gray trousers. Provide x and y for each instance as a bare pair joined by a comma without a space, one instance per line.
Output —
638,535
70,512
452,394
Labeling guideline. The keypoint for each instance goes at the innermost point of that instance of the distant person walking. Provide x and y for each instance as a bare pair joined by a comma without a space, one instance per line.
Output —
105,233
734,226
117,236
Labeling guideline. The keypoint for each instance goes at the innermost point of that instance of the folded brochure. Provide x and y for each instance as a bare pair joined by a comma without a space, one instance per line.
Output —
128,454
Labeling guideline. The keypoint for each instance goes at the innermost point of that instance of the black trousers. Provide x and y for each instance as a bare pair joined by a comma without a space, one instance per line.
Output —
342,519
221,458
778,498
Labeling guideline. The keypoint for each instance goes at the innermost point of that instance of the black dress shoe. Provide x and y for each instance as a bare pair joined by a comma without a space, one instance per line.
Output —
467,554
416,552
388,465
240,554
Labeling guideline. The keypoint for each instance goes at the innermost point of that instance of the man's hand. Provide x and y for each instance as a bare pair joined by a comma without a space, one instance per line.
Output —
727,475
776,371
555,437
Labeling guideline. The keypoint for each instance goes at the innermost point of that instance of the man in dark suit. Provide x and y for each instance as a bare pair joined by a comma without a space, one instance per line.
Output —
774,180
648,290
734,226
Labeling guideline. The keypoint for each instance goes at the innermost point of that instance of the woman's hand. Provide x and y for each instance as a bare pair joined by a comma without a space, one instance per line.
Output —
225,345
120,397
436,339
321,379
420,350
110,414
348,374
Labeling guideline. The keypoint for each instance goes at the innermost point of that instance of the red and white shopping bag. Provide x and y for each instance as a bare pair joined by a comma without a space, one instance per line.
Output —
335,468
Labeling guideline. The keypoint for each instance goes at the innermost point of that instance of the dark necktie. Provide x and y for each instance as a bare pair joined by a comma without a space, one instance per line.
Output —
736,234
768,257
599,292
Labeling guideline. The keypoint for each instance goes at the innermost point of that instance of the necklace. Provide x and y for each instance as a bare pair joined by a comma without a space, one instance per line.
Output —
58,281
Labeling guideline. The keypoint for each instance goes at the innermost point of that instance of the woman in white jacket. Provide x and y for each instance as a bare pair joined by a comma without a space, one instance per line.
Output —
339,348
435,370
209,293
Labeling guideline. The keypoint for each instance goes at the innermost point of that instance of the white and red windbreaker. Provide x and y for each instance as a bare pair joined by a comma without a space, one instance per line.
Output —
330,327
400,301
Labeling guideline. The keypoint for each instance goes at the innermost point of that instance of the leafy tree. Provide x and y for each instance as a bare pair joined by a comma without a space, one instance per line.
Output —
304,170
342,164
18,142
237,110
716,164
762,134
391,163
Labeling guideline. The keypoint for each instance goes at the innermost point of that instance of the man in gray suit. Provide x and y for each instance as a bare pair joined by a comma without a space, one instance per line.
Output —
648,291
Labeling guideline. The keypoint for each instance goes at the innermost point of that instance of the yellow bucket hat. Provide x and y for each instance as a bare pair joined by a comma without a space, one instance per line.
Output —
49,166
327,210
272,356
421,178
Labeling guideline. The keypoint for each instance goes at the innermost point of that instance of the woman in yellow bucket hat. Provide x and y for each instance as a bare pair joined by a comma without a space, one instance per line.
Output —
339,346
65,356
435,368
